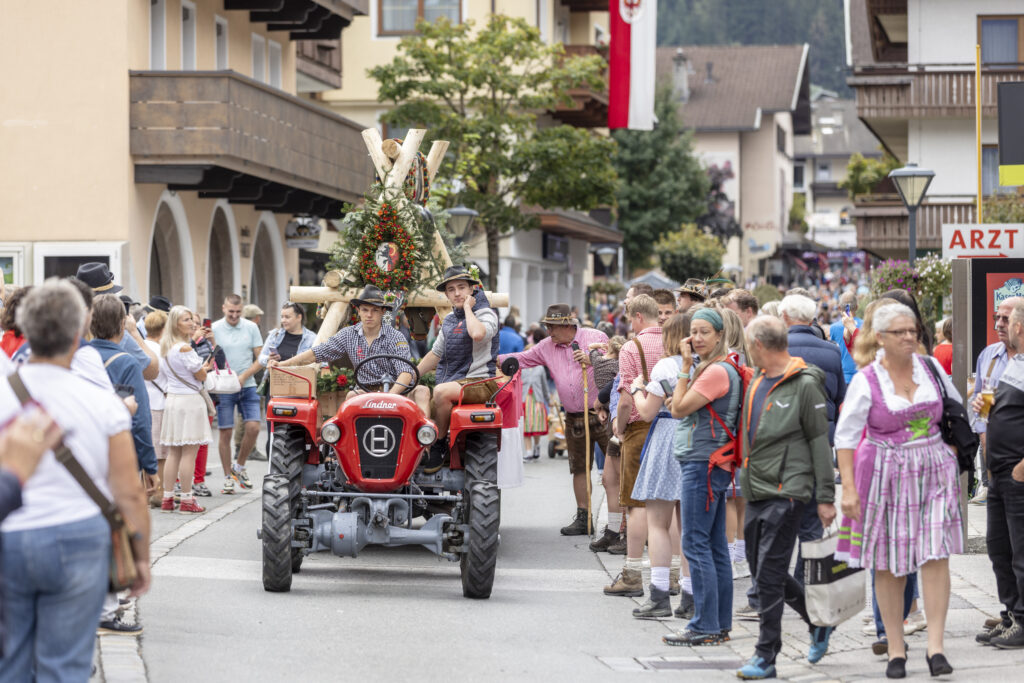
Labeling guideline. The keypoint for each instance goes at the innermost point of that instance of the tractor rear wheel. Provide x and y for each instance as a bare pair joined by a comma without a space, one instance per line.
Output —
277,534
287,455
480,554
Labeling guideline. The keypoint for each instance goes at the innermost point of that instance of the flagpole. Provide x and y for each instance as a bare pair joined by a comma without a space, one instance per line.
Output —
977,119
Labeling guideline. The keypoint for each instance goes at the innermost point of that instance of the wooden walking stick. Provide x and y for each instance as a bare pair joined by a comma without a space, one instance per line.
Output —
586,441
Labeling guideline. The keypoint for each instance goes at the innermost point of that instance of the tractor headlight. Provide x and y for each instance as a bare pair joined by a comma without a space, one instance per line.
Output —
331,433
426,435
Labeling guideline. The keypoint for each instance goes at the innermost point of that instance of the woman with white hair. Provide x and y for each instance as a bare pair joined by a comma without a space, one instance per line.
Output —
56,548
902,514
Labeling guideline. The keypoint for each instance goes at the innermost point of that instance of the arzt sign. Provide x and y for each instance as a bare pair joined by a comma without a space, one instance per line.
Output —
985,240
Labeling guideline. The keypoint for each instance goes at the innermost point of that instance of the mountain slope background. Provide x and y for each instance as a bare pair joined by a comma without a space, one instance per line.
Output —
763,22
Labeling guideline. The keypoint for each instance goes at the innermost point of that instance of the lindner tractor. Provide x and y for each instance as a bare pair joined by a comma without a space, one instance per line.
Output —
357,481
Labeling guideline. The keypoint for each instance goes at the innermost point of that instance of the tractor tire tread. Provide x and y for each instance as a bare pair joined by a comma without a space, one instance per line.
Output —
481,554
277,534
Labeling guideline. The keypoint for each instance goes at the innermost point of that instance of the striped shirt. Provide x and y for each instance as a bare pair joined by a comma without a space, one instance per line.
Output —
629,360
567,373
351,342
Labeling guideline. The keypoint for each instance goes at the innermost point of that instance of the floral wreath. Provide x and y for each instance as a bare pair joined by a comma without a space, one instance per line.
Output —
387,231
417,181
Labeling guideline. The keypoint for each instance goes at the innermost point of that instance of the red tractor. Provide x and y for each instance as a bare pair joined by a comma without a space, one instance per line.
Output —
357,481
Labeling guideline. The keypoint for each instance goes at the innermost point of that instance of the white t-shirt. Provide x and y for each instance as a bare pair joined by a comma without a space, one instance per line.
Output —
87,363
89,416
156,395
180,365
665,369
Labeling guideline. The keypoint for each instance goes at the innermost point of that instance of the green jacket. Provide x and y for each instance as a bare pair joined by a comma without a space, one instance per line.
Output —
790,450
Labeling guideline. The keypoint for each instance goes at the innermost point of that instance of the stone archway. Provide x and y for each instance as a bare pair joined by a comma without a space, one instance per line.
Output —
266,284
167,274
221,263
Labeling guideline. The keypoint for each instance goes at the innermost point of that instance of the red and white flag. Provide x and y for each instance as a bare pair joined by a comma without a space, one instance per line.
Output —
634,36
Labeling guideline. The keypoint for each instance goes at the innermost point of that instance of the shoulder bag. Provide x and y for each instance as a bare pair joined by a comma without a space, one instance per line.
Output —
222,381
122,558
211,410
954,425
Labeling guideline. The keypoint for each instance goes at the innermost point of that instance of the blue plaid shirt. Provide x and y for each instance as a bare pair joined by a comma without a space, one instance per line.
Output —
351,342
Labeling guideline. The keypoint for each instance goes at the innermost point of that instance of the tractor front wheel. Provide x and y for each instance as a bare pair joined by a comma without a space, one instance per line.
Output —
277,534
287,454
480,554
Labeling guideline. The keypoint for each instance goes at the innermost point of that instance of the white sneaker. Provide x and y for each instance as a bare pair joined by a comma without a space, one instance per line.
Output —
914,622
981,497
869,629
229,486
740,569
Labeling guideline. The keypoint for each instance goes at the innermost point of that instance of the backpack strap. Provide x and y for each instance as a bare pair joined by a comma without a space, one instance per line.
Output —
643,360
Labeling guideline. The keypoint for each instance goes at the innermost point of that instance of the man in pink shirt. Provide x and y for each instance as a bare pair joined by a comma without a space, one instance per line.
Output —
566,367
637,358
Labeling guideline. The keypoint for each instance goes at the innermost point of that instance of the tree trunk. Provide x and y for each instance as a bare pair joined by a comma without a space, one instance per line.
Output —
492,258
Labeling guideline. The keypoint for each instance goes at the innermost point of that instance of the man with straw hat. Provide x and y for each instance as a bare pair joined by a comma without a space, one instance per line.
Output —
566,365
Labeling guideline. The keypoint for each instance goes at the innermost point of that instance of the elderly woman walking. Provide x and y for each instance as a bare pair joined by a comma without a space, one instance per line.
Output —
185,426
902,513
56,547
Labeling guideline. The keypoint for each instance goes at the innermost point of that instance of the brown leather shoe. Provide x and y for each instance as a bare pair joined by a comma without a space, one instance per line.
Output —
578,527
606,539
628,584
618,546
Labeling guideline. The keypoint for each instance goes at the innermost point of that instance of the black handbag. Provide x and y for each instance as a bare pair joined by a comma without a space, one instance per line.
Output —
954,425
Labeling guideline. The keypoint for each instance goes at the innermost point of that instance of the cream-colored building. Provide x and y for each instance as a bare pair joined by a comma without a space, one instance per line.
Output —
536,267
165,138
744,105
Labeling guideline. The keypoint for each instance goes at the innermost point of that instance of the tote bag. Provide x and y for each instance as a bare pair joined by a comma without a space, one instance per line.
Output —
834,591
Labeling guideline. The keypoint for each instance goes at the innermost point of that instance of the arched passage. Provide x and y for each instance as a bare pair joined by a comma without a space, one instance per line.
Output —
222,276
168,260
267,284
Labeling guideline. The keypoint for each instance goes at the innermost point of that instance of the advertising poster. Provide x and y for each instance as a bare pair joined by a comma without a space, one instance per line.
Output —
992,282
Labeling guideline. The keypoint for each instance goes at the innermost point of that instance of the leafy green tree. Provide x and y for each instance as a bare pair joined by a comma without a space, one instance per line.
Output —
1005,209
662,184
482,90
690,252
798,214
863,174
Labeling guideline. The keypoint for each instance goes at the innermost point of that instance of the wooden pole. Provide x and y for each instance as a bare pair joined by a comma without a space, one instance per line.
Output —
977,118
333,279
315,295
437,151
332,321
371,136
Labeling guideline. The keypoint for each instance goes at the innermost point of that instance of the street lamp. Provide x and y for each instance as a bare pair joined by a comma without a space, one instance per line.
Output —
606,254
460,220
912,184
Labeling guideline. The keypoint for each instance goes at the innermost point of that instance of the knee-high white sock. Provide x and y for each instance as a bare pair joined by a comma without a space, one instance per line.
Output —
732,551
686,583
659,578
741,550
614,521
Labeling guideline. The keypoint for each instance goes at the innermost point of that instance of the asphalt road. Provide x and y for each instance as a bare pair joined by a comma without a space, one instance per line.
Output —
395,614
399,614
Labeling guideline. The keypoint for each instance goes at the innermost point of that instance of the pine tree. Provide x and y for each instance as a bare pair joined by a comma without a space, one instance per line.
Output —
662,184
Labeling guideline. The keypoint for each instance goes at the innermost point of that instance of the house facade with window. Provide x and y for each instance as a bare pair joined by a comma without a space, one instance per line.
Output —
174,149
745,104
913,71
820,165
536,267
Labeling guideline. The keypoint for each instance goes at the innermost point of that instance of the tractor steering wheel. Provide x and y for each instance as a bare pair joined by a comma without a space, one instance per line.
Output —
387,385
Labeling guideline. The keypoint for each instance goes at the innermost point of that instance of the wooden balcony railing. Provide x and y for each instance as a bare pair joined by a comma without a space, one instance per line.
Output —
882,224
586,5
320,60
941,90
185,124
589,108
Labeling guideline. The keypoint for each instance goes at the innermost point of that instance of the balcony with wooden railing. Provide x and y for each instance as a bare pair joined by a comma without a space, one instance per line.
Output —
225,135
318,65
589,108
883,227
932,90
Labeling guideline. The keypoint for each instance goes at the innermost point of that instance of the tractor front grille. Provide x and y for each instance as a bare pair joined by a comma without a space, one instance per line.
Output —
380,439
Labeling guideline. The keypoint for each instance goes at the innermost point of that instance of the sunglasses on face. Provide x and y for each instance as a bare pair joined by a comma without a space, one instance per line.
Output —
996,318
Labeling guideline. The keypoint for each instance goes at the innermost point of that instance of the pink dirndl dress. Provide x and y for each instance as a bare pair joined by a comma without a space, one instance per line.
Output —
907,478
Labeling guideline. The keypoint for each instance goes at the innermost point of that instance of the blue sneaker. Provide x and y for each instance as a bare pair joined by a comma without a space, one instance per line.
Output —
819,643
756,669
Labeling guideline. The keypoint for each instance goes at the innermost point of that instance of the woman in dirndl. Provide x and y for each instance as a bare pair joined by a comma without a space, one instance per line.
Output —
536,402
902,515
659,481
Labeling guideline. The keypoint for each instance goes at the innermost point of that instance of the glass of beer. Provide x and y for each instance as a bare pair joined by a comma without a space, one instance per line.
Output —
988,394
971,380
